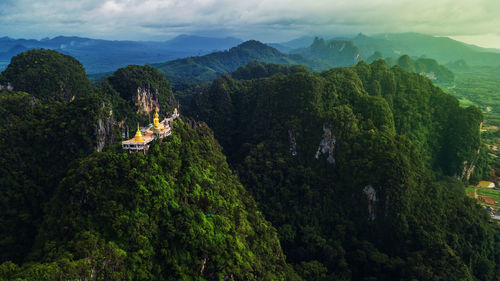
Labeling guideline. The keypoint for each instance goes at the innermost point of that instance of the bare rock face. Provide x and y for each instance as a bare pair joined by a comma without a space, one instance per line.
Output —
327,145
104,128
371,196
469,167
467,171
147,101
430,75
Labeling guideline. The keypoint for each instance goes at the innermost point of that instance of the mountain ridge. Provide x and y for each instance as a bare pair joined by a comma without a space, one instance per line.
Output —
100,55
442,49
208,67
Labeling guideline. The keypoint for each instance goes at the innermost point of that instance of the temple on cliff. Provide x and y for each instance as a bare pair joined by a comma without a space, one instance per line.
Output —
144,136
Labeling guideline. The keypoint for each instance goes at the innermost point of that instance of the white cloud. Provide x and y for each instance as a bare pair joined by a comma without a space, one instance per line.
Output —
265,20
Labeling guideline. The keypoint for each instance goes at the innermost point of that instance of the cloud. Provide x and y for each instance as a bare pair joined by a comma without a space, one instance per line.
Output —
164,26
259,19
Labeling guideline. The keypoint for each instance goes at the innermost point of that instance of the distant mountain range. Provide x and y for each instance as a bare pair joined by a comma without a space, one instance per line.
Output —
183,57
104,55
332,53
287,47
207,68
443,49
320,55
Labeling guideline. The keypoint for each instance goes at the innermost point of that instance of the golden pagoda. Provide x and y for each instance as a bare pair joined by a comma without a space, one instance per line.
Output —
156,130
138,136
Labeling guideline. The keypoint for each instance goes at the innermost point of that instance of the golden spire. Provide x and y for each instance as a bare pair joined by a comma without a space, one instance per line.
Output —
138,136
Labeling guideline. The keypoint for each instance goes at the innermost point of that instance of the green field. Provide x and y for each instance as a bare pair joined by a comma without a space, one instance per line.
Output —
470,191
465,102
478,86
495,194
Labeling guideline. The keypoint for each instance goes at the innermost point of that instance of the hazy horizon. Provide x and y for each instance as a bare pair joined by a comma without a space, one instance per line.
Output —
267,21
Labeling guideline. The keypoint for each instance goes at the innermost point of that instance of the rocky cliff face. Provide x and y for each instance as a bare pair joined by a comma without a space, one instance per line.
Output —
104,127
469,167
146,100
327,145
333,52
371,196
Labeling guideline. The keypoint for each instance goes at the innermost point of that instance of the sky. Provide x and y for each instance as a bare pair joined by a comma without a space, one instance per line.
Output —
474,22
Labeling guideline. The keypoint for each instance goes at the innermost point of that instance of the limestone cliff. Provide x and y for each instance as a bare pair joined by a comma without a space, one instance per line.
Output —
146,100
469,167
371,196
327,145
104,127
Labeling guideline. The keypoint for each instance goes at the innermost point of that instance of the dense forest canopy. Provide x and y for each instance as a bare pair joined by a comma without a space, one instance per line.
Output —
257,69
176,213
46,74
358,172
356,167
74,212
61,119
40,140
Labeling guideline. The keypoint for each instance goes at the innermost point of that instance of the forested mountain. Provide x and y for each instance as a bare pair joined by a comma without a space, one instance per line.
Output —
332,53
42,133
104,55
442,49
207,68
176,213
427,67
40,138
356,168
257,69
360,171
71,212
99,56
135,91
320,55
47,74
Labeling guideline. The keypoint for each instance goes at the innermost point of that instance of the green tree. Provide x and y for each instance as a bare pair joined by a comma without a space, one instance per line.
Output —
47,75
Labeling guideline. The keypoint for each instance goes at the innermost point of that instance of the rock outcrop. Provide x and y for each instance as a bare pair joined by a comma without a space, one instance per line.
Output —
327,145
104,128
371,196
146,100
